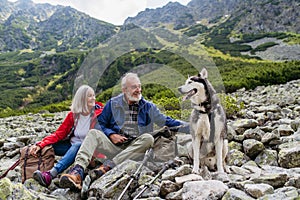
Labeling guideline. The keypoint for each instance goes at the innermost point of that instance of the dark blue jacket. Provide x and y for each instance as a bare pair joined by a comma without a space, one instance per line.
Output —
112,118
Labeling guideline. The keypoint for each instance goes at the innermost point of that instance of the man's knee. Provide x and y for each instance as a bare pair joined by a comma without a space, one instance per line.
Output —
94,133
147,139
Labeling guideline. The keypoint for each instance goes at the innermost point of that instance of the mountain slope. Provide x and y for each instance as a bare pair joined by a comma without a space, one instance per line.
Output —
172,13
269,16
25,25
254,16
212,9
42,47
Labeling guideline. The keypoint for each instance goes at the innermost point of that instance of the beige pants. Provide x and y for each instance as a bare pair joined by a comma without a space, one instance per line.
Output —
97,140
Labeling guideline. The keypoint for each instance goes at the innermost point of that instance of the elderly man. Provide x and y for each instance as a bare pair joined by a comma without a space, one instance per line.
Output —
125,124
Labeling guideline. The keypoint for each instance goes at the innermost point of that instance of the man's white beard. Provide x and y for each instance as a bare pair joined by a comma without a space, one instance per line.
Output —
135,99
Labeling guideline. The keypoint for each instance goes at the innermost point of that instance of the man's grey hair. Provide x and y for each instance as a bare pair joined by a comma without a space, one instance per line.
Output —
79,102
127,77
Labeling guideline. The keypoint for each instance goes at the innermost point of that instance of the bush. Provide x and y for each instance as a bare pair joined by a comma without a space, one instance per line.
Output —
168,103
230,104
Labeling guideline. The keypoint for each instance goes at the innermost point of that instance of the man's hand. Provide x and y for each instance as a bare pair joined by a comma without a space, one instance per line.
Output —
117,139
34,149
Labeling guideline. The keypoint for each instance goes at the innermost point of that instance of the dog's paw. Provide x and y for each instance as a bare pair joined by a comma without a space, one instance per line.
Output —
227,169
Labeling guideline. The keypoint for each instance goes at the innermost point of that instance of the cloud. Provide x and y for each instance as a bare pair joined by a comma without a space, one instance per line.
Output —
113,11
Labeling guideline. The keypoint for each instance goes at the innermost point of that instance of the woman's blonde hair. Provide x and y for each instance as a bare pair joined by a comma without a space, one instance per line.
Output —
79,102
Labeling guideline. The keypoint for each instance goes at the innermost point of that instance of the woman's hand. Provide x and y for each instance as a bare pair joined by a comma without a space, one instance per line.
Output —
117,139
34,149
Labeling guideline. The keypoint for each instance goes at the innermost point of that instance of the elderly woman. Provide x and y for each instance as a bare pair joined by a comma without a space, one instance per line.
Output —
81,118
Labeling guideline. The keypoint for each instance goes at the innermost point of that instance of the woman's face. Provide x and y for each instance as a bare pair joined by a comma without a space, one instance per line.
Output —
91,99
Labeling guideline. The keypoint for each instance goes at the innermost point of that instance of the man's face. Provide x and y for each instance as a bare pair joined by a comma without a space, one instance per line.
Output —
133,90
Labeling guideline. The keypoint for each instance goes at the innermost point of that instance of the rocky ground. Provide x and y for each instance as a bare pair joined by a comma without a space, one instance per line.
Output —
263,158
280,52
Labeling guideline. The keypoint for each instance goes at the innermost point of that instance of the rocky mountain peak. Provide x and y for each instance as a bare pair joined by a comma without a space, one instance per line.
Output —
172,13
24,24
252,16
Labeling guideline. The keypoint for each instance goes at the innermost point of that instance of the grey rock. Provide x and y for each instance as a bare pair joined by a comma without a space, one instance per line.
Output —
286,193
210,189
289,155
267,157
252,147
237,158
167,187
258,190
236,194
274,179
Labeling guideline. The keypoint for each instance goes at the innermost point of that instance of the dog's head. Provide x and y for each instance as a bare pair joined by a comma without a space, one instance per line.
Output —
195,88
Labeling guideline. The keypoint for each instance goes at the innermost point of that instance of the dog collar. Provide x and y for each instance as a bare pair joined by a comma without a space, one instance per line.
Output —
200,108
202,112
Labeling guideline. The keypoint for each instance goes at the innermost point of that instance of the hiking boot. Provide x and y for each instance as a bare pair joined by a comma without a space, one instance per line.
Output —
105,167
43,178
73,179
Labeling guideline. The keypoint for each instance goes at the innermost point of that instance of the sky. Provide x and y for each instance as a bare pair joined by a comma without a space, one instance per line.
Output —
112,11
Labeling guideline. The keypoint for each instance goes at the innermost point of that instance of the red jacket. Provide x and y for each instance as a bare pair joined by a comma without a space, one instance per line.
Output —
64,129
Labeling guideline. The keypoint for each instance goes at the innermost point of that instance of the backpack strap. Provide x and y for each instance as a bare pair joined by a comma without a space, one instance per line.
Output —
71,133
76,118
11,168
40,161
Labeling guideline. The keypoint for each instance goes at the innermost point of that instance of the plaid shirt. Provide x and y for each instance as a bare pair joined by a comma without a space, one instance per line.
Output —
130,126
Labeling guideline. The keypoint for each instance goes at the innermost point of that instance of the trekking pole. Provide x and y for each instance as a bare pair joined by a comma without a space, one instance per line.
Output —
148,154
11,168
147,185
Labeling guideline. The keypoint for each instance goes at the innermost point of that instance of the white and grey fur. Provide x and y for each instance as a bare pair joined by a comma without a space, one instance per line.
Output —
207,124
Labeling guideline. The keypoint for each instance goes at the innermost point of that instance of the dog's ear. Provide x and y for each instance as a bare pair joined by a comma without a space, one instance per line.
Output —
203,74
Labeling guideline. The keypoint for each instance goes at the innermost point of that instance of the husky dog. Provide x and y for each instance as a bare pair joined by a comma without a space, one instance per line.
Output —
207,123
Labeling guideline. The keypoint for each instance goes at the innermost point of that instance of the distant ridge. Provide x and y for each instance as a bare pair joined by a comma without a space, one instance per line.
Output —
252,16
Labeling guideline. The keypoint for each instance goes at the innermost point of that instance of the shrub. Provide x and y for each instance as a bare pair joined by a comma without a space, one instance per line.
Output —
168,103
231,105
